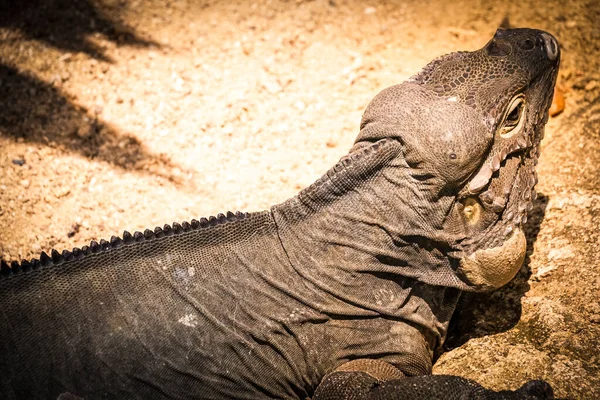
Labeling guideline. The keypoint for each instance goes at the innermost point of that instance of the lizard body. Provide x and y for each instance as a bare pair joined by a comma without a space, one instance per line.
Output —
344,291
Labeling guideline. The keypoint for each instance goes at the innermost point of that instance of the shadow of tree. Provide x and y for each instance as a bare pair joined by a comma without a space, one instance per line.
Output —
66,24
484,314
38,112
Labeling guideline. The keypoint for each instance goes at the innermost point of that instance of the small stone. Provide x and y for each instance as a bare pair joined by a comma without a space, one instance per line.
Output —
571,24
74,229
62,192
84,131
65,57
591,85
560,253
20,162
24,182
272,87
247,48
370,10
590,97
544,270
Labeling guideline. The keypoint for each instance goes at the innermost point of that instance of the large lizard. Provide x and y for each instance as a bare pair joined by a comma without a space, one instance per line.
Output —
343,291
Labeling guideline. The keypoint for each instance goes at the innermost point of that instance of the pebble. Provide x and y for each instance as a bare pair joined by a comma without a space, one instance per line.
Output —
571,24
19,162
544,270
84,131
561,253
591,85
62,192
24,182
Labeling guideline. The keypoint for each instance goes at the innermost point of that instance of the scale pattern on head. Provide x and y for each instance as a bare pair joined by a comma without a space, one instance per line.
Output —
470,124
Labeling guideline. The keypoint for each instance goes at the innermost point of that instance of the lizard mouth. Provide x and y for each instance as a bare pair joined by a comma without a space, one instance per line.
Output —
495,255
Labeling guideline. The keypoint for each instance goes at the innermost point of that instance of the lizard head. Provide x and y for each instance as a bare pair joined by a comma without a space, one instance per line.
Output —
470,125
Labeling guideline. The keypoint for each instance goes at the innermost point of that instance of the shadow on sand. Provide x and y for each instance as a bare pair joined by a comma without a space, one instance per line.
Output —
39,112
67,24
484,314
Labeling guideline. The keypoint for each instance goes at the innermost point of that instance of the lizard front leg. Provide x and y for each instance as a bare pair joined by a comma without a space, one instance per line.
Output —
374,379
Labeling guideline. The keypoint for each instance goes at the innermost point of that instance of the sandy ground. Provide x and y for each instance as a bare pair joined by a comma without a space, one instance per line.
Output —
123,114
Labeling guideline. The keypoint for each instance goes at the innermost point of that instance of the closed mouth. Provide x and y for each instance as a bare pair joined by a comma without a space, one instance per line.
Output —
506,199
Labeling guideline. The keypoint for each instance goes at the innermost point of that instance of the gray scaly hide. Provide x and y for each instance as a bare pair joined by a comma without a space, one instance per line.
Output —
358,274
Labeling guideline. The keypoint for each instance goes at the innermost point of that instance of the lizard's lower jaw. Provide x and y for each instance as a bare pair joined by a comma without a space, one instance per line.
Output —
494,267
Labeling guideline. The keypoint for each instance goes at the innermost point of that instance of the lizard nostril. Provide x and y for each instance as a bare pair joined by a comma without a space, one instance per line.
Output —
498,48
551,46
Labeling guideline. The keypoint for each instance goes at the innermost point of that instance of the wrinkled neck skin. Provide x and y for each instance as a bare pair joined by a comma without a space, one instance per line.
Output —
371,236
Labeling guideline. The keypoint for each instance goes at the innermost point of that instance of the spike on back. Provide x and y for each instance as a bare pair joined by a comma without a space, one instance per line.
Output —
56,257
15,267
127,238
45,260
26,266
94,246
176,227
67,255
115,241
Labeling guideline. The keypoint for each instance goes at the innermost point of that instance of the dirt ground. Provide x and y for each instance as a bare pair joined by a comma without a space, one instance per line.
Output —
127,114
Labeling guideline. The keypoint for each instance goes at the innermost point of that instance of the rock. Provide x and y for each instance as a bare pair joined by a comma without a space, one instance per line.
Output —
84,131
591,85
561,253
571,24
61,192
20,162
544,270
74,229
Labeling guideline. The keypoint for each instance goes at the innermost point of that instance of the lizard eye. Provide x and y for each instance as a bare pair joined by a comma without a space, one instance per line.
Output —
513,118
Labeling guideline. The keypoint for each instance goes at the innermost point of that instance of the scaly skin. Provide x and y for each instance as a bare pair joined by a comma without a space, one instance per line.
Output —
344,291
